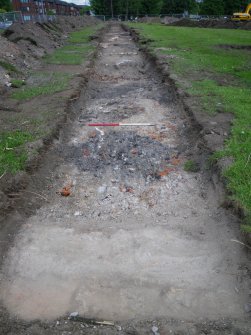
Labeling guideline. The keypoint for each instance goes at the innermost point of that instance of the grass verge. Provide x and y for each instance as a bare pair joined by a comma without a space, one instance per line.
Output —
54,82
212,68
17,83
13,155
191,166
77,49
8,66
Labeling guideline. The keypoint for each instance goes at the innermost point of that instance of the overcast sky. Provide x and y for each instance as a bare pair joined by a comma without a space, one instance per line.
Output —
79,2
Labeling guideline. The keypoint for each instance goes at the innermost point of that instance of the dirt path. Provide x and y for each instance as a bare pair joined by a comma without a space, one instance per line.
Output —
138,237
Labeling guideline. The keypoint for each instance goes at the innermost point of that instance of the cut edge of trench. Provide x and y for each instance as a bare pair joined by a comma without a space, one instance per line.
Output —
216,171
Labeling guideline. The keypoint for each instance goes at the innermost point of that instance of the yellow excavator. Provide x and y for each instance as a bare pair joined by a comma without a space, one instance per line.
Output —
244,16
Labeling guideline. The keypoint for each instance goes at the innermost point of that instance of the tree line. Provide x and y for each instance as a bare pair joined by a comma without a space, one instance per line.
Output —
155,7
5,6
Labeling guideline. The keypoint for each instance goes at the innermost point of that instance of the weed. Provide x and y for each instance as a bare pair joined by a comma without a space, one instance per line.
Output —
191,166
8,66
82,36
12,152
246,228
17,83
58,82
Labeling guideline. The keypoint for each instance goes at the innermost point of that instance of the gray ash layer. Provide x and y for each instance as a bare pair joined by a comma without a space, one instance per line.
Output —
125,152
115,110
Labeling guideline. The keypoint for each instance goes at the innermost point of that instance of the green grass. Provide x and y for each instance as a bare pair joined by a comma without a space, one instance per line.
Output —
191,166
219,79
62,57
77,49
56,83
199,49
17,83
13,155
83,35
70,54
8,66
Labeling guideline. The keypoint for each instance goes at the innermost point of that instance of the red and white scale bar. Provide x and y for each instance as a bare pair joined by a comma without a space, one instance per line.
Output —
119,124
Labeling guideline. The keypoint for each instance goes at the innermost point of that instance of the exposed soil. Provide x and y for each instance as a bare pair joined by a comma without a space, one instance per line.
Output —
224,24
234,46
137,240
23,45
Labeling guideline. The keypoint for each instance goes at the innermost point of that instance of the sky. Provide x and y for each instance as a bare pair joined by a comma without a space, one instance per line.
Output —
78,2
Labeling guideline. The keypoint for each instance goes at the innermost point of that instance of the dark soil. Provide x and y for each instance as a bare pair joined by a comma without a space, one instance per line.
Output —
224,24
234,46
45,37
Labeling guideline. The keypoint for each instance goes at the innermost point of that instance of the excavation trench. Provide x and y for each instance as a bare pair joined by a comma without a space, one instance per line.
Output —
137,237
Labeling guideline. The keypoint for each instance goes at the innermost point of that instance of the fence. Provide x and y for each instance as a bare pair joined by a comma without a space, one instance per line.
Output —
123,17
6,19
39,18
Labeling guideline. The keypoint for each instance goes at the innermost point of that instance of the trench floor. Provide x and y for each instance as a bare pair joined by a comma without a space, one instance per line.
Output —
138,237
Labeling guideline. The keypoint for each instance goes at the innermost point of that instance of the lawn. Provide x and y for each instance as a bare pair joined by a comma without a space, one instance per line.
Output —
47,83
76,50
211,66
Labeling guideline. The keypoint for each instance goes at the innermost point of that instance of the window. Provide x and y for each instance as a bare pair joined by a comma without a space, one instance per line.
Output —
26,17
25,9
24,1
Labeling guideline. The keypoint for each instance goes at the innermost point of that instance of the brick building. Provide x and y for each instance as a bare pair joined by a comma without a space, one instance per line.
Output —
31,8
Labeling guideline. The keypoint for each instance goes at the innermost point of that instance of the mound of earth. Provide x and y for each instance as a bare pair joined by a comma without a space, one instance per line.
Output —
10,53
224,24
23,45
41,38
147,19
169,19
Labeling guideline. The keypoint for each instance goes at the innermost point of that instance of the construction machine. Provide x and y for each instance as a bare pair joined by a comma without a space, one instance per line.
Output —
244,16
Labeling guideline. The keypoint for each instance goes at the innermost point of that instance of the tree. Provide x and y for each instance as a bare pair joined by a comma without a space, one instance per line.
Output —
231,6
179,6
85,10
126,7
101,7
135,7
212,7
6,5
151,6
